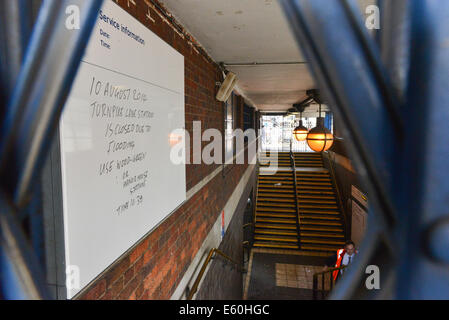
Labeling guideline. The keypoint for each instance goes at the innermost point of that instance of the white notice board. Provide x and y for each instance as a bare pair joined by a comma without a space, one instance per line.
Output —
118,180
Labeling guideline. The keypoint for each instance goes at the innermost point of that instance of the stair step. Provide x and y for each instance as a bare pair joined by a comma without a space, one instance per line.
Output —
317,197
308,216
323,235
303,183
320,248
317,207
274,187
275,215
275,245
277,190
275,183
337,224
263,209
286,200
276,239
302,211
261,203
320,228
313,188
316,192
270,179
276,232
273,220
318,201
313,179
276,226
329,242
270,195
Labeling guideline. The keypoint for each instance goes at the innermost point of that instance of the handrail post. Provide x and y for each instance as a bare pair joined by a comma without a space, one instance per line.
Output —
323,288
315,286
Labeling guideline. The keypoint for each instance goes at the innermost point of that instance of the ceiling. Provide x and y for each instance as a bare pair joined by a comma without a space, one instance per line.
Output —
240,32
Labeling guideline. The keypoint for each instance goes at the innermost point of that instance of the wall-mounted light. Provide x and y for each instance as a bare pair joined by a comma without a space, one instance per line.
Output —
226,87
320,138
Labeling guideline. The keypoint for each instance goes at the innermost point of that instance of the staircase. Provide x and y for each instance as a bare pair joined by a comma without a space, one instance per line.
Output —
275,217
308,159
321,227
280,159
321,223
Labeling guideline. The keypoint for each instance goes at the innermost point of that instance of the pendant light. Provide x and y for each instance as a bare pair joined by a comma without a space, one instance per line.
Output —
320,138
300,132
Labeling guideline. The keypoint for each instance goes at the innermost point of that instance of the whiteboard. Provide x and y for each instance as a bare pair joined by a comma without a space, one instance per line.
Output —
117,178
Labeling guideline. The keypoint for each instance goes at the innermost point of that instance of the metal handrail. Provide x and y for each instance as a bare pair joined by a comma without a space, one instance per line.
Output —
298,219
255,203
210,256
340,203
322,274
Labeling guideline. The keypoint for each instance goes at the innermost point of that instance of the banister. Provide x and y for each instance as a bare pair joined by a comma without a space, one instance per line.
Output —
210,256
322,274
298,219
340,203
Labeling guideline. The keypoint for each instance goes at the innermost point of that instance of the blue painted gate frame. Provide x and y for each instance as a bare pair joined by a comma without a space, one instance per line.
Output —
374,89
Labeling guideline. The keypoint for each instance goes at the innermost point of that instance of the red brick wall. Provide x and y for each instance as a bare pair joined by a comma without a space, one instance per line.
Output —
155,266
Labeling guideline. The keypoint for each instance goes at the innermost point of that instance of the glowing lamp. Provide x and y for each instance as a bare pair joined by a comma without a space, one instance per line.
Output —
320,138
300,132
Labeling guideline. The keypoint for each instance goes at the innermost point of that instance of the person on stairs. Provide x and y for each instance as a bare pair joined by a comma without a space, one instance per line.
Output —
343,257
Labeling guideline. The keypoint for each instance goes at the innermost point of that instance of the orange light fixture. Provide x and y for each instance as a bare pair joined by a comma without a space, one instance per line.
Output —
320,139
300,132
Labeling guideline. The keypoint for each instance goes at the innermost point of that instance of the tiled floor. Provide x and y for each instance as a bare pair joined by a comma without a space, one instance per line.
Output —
281,274
297,276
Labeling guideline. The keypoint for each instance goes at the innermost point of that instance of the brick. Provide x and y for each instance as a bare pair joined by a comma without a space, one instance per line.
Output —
155,266
96,291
